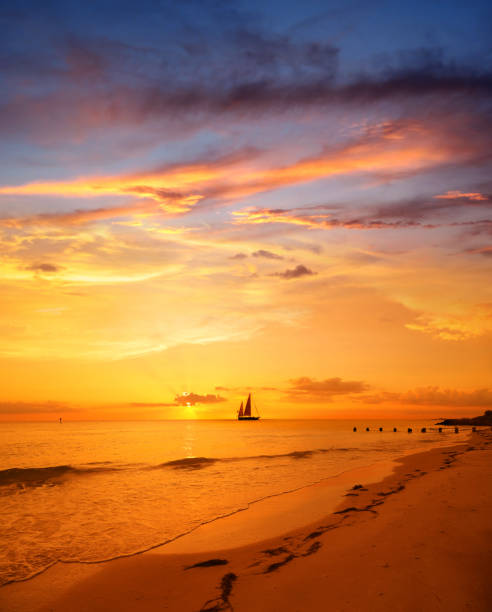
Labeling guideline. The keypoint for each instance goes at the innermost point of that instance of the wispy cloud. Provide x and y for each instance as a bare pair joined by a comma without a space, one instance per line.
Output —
486,251
305,389
48,407
433,396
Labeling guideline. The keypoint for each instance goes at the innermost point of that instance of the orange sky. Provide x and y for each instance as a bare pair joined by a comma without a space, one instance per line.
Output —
116,314
332,256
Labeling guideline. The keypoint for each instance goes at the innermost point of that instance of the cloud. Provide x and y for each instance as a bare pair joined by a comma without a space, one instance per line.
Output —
190,399
238,256
305,389
425,208
296,272
245,389
486,251
181,188
459,195
419,212
266,254
12,408
151,404
317,220
195,102
44,267
231,66
434,396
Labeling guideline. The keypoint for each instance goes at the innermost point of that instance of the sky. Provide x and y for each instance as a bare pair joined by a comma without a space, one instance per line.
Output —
208,198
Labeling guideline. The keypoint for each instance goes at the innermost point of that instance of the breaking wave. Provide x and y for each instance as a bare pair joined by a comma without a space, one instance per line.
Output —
187,463
39,476
33,477
198,463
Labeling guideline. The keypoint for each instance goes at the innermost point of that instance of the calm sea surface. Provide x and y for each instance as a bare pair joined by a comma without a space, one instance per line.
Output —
94,491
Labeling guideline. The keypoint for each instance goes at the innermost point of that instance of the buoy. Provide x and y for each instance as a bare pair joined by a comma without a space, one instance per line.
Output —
423,430
410,430
380,429
394,429
367,429
354,429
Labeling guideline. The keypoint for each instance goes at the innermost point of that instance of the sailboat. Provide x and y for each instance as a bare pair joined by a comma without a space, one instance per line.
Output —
244,414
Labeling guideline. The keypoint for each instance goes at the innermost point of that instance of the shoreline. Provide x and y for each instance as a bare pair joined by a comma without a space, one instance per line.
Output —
335,487
282,532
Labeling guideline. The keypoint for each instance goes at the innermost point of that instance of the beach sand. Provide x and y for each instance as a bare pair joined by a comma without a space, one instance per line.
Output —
419,539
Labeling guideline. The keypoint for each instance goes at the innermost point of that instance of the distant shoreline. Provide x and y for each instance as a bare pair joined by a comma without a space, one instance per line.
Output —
483,420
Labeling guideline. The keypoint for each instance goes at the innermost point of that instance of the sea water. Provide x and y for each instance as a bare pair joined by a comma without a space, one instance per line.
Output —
95,491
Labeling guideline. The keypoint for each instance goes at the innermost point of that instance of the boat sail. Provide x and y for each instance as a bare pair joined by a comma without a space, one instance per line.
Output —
244,414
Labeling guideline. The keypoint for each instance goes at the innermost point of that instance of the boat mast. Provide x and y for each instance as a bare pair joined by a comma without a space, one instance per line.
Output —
247,410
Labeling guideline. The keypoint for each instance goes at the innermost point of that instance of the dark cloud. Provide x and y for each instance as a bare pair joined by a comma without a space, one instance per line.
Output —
235,66
266,254
267,95
195,398
127,105
305,389
238,256
44,267
434,396
296,272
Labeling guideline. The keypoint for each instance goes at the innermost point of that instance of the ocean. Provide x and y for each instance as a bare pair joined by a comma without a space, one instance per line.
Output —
95,491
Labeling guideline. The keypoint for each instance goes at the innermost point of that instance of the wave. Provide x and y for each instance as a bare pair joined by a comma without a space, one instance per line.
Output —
38,476
198,463
33,477
188,463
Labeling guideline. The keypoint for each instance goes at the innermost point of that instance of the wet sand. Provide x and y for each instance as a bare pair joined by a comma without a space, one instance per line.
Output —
419,539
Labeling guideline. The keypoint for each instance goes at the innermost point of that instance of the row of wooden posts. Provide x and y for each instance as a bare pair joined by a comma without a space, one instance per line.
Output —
423,430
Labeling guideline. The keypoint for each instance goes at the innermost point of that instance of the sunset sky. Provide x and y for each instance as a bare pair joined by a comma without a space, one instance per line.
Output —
199,199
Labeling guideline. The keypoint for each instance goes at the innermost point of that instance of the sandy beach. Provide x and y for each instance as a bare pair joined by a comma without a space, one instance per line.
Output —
419,539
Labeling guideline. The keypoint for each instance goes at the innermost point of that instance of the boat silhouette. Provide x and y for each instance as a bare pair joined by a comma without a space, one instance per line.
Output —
244,414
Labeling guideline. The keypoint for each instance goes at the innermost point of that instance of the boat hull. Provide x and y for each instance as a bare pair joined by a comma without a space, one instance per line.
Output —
248,418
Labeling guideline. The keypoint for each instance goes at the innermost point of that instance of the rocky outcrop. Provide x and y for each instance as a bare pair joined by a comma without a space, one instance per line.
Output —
484,419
